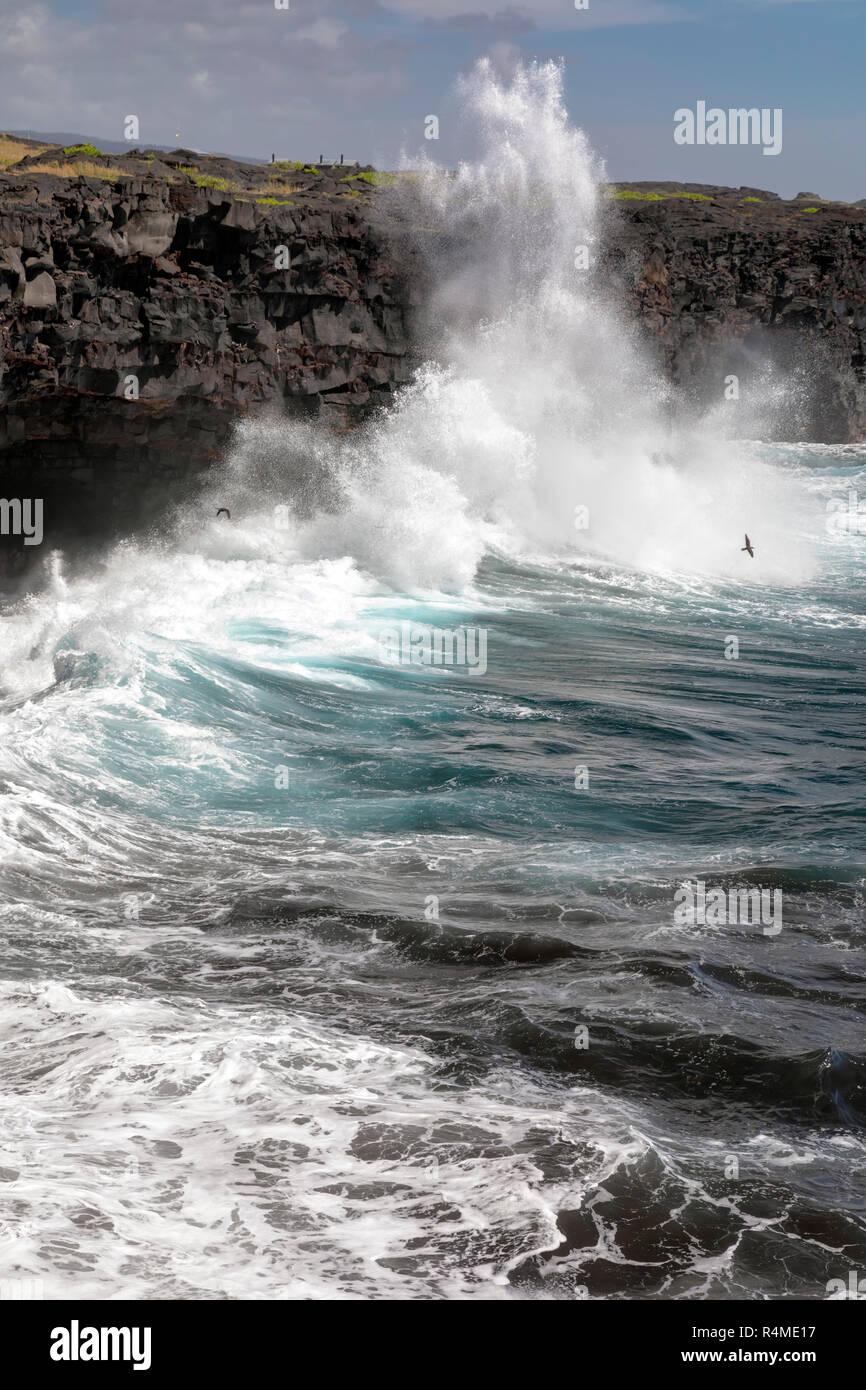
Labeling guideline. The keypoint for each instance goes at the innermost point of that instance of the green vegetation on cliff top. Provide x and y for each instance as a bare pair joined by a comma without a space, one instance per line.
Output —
85,149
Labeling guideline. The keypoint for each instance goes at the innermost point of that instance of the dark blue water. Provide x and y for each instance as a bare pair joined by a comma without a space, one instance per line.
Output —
298,944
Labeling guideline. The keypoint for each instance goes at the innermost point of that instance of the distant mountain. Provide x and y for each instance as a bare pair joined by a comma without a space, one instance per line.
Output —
66,137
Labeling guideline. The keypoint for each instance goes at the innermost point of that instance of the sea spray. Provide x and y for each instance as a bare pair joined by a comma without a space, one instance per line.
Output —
539,424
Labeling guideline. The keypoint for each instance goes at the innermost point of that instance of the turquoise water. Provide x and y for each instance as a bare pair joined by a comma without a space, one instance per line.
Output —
328,976
318,1038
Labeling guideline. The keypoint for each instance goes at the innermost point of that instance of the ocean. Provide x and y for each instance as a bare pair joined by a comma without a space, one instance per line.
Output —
330,971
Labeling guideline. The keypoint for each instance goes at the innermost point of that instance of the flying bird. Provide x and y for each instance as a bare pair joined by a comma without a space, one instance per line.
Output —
748,546
224,511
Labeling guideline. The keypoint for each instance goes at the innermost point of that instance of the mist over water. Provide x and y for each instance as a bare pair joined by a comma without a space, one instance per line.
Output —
540,401
296,942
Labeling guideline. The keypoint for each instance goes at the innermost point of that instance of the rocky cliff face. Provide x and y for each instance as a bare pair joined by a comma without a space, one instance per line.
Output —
724,281
146,307
139,318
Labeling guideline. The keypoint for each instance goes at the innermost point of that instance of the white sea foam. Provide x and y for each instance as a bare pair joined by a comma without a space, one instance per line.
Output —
203,1140
538,399
223,1151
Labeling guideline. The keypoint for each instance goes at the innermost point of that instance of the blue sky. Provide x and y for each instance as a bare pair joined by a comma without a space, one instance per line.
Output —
359,77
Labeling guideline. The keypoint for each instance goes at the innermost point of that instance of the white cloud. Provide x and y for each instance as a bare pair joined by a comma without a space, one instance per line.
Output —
213,70
326,32
26,32
557,15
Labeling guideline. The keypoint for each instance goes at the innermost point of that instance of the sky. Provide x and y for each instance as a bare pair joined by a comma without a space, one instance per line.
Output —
322,78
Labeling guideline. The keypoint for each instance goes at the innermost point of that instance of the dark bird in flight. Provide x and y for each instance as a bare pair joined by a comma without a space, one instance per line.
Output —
224,511
748,546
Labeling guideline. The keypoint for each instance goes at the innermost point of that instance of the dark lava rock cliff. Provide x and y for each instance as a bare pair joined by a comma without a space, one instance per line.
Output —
140,317
728,281
149,301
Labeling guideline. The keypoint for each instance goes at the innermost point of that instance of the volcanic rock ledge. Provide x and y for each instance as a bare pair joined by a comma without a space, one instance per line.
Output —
140,318
144,309
728,281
